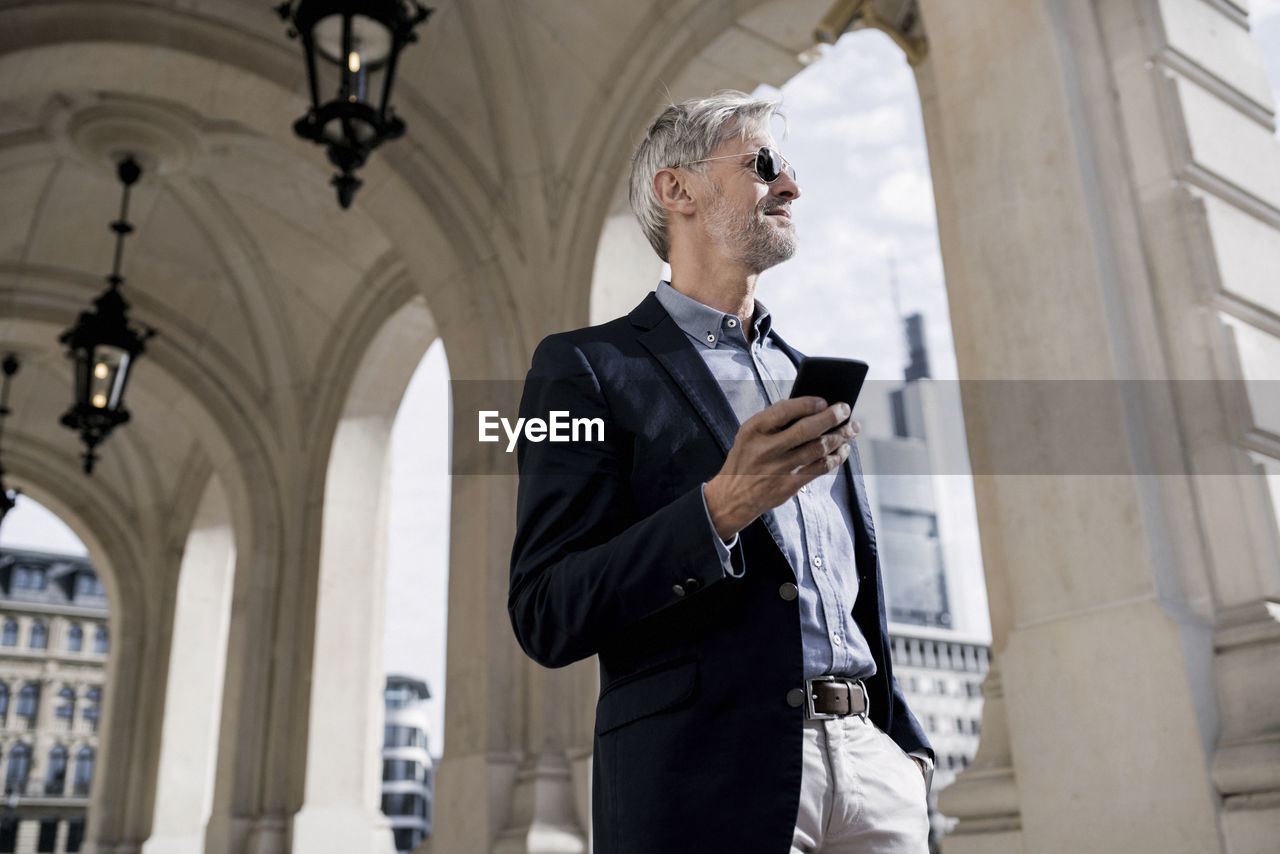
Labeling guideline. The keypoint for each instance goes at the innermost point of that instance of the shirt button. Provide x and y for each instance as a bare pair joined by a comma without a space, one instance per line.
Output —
835,639
817,561
788,592
711,339
677,589
732,323
795,698
805,489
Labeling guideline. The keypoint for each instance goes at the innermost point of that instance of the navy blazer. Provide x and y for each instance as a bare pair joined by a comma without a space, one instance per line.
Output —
697,748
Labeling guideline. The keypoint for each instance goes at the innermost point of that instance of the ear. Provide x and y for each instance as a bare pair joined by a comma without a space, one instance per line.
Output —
671,186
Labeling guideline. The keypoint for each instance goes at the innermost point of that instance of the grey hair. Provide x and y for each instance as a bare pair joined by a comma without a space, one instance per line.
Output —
682,134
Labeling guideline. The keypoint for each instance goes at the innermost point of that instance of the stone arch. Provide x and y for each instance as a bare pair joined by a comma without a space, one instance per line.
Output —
142,546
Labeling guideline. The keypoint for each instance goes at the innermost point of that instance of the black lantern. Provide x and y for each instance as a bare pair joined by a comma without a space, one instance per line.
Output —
351,50
8,497
103,346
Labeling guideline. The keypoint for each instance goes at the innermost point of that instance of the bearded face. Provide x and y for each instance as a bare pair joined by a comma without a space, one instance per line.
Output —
759,237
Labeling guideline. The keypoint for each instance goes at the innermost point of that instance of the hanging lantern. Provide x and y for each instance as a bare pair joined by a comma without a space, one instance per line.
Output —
103,347
351,51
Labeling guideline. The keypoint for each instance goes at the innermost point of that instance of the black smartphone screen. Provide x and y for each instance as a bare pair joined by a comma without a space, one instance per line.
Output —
831,379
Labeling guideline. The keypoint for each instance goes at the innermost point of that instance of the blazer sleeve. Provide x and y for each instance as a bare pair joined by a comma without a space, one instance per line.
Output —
905,730
583,567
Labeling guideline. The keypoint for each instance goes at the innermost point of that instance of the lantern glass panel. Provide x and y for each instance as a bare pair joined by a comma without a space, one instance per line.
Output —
370,41
107,375
352,76
83,373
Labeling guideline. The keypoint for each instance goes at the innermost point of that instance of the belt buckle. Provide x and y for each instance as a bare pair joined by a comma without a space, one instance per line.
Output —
814,715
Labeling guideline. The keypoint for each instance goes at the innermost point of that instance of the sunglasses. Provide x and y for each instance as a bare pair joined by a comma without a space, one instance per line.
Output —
769,164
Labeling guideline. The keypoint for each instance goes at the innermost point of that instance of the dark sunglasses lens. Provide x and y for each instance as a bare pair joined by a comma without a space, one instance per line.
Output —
768,165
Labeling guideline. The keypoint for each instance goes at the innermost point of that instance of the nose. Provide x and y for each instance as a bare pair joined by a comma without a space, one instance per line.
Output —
786,187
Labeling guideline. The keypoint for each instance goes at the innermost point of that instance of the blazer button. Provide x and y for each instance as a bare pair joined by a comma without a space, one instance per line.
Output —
788,592
692,584
677,589
795,698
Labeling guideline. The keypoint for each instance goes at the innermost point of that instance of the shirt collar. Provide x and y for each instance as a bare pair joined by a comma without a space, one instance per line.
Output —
704,324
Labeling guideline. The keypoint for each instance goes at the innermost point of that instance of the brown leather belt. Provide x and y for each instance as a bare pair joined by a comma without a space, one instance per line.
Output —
829,697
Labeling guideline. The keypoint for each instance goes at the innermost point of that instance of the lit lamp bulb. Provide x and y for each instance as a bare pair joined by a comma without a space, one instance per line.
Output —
100,370
359,77
100,400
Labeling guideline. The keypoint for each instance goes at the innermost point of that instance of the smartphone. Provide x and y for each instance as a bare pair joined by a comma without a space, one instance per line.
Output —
831,379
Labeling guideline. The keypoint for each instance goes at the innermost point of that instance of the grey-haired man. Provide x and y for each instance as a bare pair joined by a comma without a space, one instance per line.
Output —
716,550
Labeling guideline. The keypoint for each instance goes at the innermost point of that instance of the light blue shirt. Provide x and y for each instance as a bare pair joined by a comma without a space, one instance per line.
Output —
816,526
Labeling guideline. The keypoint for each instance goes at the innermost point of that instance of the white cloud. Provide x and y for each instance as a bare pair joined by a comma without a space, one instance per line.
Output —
1261,10
907,196
880,125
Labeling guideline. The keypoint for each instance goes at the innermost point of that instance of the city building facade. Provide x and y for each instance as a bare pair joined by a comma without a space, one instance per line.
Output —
408,769
53,653
920,486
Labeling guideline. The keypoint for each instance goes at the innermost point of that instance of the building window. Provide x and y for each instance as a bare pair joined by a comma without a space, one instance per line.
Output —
10,637
75,638
66,708
92,702
4,700
84,771
28,700
19,767
100,640
75,835
407,838
975,726
39,635
940,687
8,835
48,840
88,584
403,736
25,578
55,781
404,803
931,723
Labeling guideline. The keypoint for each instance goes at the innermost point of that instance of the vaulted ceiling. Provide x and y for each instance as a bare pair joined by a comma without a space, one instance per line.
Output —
521,117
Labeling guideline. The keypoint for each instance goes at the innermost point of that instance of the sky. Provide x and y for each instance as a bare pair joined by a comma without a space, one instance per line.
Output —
857,141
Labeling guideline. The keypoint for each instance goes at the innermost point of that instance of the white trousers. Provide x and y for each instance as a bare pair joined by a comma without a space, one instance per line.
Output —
859,794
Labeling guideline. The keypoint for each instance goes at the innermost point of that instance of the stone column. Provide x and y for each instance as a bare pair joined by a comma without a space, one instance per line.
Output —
193,691
515,774
1104,177
1191,83
43,736
340,811
1083,156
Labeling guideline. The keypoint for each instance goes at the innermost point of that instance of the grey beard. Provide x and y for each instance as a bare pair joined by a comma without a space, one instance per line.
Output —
748,238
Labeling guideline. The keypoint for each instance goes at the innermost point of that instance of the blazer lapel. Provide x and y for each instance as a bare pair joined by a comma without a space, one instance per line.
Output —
670,346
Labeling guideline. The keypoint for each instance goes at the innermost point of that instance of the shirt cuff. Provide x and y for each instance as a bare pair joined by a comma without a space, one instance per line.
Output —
722,548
